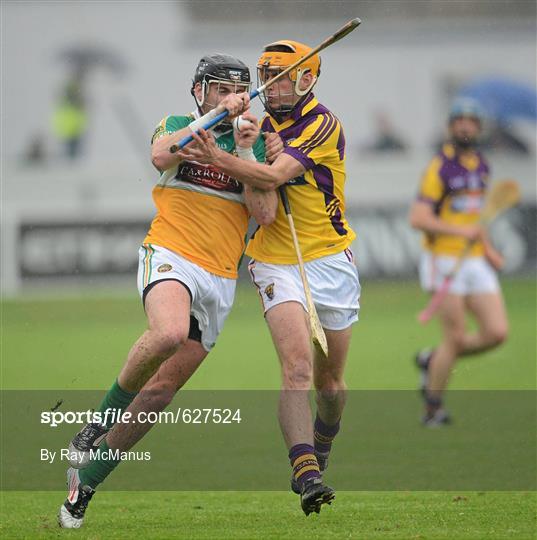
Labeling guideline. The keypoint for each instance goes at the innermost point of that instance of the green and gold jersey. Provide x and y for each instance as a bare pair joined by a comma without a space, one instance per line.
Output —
201,213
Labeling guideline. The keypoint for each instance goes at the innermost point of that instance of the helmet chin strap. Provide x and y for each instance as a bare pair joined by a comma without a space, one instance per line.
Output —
204,89
278,114
198,105
299,75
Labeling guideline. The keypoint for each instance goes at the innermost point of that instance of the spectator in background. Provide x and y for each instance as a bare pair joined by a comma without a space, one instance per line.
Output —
69,120
35,153
386,139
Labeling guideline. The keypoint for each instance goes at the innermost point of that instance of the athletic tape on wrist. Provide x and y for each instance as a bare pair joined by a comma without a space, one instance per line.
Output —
245,153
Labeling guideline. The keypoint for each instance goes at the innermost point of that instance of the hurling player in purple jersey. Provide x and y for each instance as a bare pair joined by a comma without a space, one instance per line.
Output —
447,211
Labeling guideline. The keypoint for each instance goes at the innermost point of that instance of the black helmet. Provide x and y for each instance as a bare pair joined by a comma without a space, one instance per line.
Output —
220,67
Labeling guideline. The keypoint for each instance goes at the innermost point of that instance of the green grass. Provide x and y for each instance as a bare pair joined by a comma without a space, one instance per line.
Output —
276,515
81,343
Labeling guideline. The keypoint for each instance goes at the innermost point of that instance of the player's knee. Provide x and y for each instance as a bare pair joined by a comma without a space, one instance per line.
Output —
299,379
497,336
331,392
456,341
329,387
168,341
298,376
156,397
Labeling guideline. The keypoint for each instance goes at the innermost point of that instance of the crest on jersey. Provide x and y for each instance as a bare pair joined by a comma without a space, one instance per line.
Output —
269,291
164,268
158,133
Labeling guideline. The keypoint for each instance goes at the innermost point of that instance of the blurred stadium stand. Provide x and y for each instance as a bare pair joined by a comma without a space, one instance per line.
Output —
82,220
337,10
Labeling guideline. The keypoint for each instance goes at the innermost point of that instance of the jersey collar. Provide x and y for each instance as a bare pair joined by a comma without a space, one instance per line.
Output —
469,161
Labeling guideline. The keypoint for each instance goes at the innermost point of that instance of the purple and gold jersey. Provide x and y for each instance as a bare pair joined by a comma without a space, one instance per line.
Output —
455,186
314,137
201,213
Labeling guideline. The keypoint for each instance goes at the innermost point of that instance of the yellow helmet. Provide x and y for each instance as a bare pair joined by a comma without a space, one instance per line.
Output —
283,53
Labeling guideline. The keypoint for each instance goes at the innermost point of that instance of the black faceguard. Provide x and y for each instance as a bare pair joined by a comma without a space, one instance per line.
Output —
464,143
220,68
464,107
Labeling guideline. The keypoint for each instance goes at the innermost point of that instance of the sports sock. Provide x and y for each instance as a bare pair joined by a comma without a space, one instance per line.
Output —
99,468
116,398
304,463
424,358
432,404
323,435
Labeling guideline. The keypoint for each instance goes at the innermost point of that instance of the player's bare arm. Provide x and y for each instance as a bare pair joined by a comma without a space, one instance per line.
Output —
261,204
160,156
493,256
422,217
258,175
273,146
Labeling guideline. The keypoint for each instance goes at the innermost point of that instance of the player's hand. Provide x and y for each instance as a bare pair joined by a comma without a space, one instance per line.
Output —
493,256
273,146
202,149
472,233
495,259
236,104
249,131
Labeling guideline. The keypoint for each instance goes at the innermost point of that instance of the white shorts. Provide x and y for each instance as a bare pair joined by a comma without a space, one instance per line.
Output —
475,275
333,281
211,295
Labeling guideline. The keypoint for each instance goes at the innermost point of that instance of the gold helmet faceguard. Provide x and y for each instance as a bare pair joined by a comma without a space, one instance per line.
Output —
278,56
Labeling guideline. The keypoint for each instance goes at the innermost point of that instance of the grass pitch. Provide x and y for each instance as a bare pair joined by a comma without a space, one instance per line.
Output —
274,515
81,343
